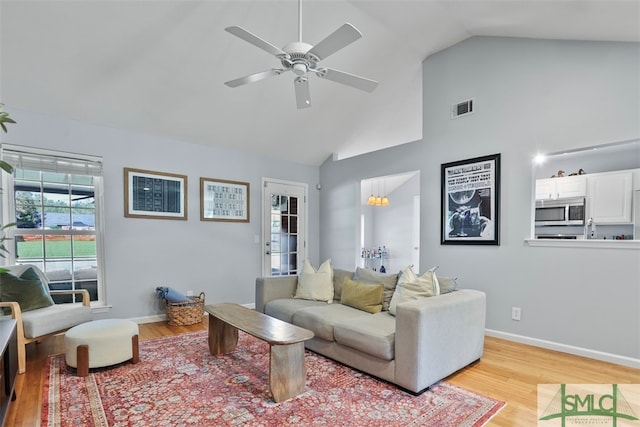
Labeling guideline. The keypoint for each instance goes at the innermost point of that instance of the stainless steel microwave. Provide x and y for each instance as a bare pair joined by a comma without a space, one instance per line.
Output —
560,211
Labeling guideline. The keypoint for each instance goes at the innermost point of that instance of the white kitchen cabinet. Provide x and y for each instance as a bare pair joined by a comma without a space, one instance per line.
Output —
561,187
610,198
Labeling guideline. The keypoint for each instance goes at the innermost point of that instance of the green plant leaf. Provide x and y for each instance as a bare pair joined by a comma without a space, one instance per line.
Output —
4,118
6,166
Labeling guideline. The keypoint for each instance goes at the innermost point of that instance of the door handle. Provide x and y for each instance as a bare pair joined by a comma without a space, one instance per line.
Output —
268,253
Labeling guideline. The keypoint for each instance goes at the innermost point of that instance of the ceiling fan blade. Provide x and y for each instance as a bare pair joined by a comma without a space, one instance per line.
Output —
335,41
254,77
255,40
301,84
352,80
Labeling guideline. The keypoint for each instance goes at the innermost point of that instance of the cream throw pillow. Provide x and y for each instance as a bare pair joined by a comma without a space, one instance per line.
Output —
411,287
315,284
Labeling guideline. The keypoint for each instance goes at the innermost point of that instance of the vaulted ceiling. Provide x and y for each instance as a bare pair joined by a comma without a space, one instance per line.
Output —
158,66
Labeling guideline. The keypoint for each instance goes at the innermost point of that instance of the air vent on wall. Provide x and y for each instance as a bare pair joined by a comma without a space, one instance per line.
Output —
462,108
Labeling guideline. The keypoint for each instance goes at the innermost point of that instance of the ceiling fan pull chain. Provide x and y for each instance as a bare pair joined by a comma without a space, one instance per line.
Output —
300,21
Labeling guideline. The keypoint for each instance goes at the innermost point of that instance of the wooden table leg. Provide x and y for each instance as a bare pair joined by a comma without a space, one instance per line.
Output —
223,337
135,349
82,360
287,372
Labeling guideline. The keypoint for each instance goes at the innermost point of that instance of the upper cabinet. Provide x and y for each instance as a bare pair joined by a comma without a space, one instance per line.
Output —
561,187
610,198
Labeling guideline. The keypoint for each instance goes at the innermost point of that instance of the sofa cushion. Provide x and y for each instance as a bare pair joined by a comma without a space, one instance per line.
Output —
54,318
374,334
320,320
284,309
338,279
315,284
59,275
86,274
363,296
388,280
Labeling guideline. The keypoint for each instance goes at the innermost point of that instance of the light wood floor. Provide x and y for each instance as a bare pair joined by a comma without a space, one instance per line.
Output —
508,371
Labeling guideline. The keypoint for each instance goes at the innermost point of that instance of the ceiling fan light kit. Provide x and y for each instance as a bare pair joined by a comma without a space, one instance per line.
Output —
302,59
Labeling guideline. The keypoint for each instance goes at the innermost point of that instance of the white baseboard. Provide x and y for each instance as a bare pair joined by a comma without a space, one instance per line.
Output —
150,319
578,351
163,317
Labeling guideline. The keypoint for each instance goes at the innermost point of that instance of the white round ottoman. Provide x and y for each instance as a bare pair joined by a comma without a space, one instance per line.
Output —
101,343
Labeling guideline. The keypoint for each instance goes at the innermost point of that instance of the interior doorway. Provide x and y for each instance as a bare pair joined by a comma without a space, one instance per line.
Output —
389,230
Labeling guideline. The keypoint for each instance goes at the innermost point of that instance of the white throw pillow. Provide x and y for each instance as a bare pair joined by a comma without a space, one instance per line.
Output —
411,287
315,284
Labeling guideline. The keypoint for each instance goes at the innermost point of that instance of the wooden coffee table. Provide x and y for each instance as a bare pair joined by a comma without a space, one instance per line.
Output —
287,371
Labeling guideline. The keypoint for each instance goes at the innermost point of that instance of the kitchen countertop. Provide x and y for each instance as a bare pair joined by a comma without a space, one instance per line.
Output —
585,243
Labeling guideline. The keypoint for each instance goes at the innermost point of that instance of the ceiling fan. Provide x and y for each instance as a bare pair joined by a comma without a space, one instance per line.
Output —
302,58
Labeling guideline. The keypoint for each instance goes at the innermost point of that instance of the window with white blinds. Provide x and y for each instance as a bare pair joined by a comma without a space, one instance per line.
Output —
55,200
51,161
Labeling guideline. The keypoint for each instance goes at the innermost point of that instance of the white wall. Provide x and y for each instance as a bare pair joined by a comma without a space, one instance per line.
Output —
218,258
530,96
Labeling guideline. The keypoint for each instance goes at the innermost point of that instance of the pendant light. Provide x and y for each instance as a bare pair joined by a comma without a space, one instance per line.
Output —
372,200
385,199
378,200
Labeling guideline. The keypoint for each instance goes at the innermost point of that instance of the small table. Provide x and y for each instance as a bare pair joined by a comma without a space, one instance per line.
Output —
287,371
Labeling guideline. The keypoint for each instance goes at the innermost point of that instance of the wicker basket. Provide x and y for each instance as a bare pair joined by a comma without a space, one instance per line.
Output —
186,313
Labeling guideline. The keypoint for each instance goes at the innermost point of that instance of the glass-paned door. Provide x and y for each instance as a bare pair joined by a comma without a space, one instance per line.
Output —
284,228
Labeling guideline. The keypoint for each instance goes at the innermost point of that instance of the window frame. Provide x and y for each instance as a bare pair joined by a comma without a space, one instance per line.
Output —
9,215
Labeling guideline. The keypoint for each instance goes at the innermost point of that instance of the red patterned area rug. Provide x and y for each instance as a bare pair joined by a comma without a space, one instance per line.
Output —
179,383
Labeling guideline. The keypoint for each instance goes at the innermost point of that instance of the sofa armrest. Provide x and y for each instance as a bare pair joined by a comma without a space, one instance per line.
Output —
437,336
272,288
16,313
86,300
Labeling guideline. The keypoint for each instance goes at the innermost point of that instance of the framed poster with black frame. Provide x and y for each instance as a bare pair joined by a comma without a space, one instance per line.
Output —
470,201
224,200
158,195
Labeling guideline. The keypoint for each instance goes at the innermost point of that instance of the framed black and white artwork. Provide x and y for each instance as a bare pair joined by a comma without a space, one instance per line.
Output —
150,194
470,201
224,200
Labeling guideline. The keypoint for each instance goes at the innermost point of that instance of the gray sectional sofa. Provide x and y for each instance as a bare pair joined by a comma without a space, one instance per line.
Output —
427,340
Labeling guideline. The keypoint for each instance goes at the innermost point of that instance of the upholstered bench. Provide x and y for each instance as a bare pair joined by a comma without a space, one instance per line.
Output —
101,343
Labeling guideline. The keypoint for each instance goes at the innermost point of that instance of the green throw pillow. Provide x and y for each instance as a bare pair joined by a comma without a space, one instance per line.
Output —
388,280
363,296
27,290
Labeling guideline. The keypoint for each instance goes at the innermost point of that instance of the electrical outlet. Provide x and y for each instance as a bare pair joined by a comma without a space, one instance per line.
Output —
189,293
516,312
